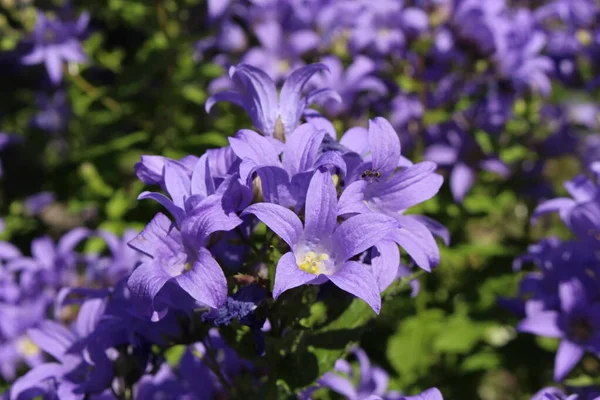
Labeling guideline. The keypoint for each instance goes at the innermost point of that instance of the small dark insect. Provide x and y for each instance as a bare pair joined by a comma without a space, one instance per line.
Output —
370,175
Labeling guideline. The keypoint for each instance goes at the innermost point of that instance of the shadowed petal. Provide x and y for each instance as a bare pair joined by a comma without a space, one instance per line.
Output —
355,279
205,282
352,199
202,182
385,263
418,242
144,283
284,222
301,148
288,275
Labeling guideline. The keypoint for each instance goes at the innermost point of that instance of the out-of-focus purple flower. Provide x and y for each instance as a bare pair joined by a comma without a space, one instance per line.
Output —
518,54
382,27
72,374
35,204
274,114
348,83
372,381
552,393
322,248
577,324
456,150
54,113
429,394
56,42
476,22
581,213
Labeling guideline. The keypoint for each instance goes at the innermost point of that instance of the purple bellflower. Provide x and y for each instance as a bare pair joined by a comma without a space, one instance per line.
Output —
180,257
321,249
372,382
272,114
55,42
577,324
73,374
379,186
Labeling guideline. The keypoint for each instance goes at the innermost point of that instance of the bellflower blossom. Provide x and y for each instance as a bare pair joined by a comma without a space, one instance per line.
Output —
577,324
55,42
378,186
272,114
321,249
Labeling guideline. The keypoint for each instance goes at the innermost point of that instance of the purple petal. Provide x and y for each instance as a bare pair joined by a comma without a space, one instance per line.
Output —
159,230
230,96
354,278
360,233
441,154
144,283
205,282
406,188
418,242
434,227
562,205
429,394
462,178
290,104
338,384
496,166
385,146
177,182
53,66
567,356
275,184
260,96
543,323
150,169
163,200
288,275
357,140
571,294
89,316
251,145
202,182
352,199
321,207
284,222
53,338
32,378
301,148
385,263
334,160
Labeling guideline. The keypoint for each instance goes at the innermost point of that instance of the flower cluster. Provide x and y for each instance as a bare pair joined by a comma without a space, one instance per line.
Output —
334,212
560,298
